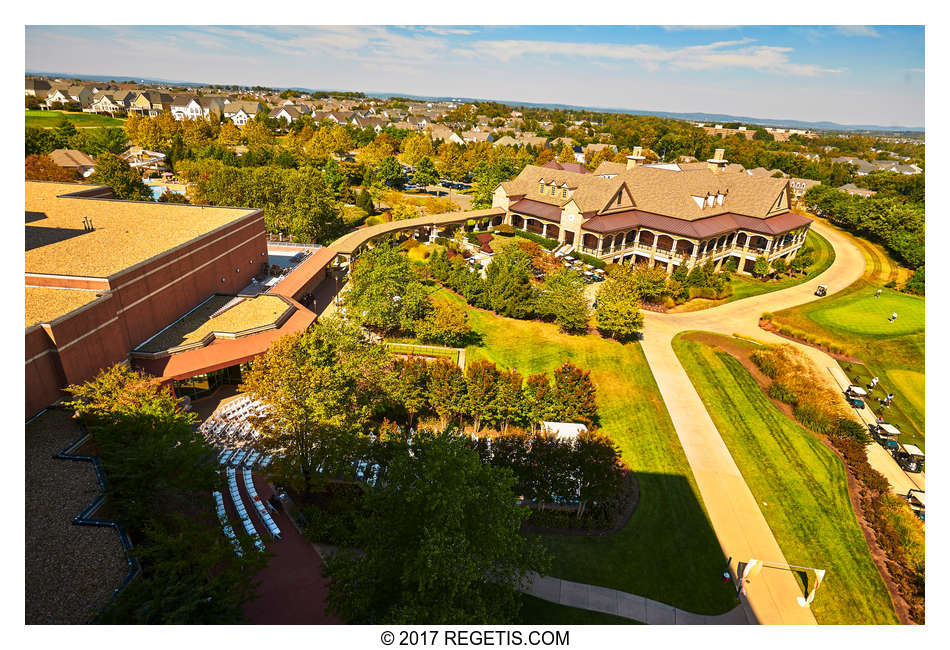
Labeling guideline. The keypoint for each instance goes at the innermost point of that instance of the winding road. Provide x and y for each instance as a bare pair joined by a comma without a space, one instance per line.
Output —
743,533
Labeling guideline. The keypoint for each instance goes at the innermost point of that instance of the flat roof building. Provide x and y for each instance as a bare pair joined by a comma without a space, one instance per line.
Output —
103,276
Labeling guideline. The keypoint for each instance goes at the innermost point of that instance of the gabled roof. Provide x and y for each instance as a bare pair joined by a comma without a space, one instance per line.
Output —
567,166
71,158
700,229
679,194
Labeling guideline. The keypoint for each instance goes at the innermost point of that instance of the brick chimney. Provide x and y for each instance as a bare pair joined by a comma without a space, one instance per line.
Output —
636,159
718,162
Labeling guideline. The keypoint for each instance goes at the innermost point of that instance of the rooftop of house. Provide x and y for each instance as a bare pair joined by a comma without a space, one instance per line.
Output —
247,316
124,233
45,304
71,158
683,194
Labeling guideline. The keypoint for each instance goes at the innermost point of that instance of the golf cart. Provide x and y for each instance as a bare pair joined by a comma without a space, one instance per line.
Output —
911,459
885,431
822,290
855,396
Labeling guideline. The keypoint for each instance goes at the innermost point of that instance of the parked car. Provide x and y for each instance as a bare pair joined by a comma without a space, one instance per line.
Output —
822,290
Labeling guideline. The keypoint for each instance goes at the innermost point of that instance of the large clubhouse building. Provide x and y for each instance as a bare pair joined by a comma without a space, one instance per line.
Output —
167,288
662,214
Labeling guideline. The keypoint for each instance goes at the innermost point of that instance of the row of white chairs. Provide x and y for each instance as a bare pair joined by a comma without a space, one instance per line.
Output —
241,510
261,508
243,458
223,518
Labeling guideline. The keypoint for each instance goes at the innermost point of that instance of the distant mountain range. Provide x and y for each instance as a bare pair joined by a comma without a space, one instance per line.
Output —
718,118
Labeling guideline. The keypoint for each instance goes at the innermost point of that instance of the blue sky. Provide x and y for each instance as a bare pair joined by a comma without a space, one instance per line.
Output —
851,75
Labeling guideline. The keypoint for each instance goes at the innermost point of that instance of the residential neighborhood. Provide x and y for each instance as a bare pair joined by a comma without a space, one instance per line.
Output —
298,352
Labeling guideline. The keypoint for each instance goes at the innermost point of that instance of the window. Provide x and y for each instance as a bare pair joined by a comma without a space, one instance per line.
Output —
541,190
553,190
564,193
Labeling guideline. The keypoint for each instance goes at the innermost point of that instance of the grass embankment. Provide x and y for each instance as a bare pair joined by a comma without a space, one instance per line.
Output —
50,119
800,484
856,321
667,551
744,286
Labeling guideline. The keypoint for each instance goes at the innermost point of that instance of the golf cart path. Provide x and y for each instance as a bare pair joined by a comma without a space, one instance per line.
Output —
743,533
623,604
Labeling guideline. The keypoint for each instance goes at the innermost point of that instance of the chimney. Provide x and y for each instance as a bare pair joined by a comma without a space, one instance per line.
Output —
718,162
636,158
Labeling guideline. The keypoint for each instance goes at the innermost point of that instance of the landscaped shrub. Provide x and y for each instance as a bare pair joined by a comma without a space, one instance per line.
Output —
503,229
587,259
780,391
375,220
544,242
848,428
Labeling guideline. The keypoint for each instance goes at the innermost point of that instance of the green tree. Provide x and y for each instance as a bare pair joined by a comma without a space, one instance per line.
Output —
389,173
574,395
481,386
562,298
380,281
320,388
618,306
446,390
761,268
508,289
442,543
425,173
125,182
43,168
106,140
446,324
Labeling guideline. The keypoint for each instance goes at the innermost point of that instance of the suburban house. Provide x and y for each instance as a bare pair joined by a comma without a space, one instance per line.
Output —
57,96
801,185
36,86
854,190
242,110
374,123
104,103
654,215
477,136
151,103
718,130
186,107
286,114
862,166
340,117
440,132
74,159
81,94
575,167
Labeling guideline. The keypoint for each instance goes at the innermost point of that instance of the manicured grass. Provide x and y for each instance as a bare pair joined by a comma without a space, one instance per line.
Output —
800,484
668,550
535,611
49,119
862,314
857,321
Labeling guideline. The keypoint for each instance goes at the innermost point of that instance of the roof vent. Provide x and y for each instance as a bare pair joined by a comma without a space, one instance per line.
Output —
87,224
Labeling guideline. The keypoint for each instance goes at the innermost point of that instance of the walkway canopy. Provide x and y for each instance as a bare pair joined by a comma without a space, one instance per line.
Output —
350,243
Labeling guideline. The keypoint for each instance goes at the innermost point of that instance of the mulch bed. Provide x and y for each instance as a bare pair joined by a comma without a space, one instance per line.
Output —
742,355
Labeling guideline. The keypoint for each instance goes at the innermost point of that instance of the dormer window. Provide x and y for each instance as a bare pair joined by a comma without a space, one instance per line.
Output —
553,190
720,198
541,190
710,200
564,193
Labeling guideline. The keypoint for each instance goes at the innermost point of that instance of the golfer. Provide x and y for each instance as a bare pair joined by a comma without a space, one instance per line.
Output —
878,294
892,318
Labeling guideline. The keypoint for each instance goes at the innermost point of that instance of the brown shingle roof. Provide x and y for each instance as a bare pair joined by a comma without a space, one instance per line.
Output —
700,229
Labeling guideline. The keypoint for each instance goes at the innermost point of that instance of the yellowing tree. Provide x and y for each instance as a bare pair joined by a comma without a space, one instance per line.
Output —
229,134
415,147
256,134
566,154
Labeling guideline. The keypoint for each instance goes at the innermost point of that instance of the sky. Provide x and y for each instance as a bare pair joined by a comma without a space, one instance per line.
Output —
847,74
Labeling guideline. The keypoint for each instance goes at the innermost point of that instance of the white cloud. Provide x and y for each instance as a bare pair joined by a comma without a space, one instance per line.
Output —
718,55
858,30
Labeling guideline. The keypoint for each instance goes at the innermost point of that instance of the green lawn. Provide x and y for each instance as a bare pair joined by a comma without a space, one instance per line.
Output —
800,484
857,321
49,119
535,611
668,551
862,314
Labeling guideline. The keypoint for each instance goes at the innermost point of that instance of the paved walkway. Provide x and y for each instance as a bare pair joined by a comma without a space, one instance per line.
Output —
734,513
620,603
